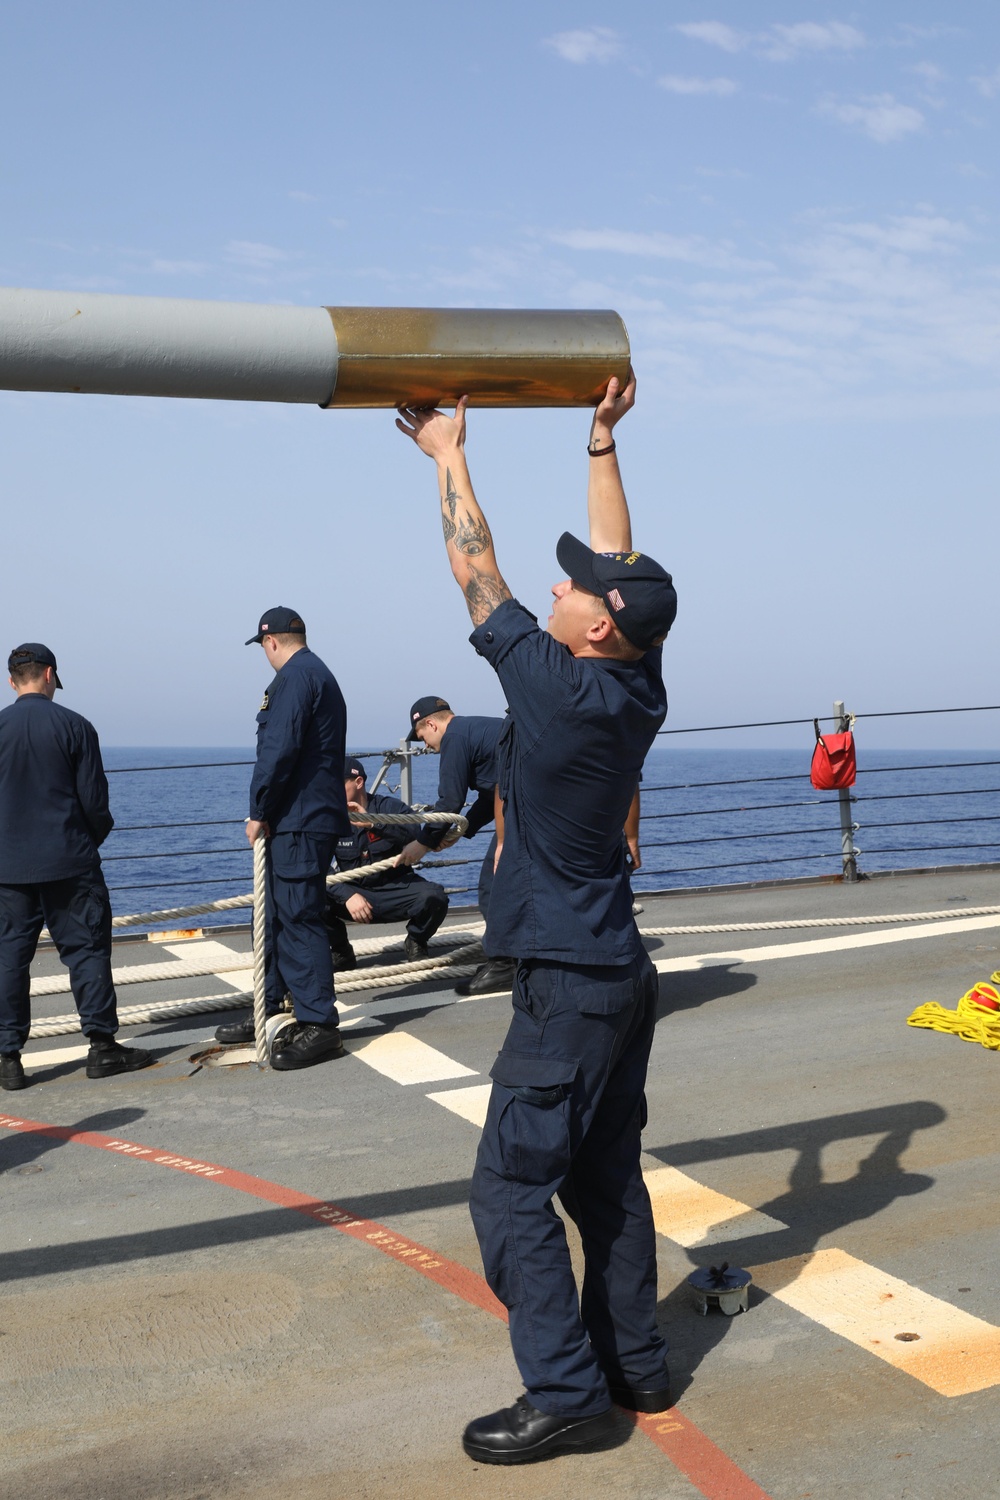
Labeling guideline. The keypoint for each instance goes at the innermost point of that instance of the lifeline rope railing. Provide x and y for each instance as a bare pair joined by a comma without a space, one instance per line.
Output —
142,973
457,961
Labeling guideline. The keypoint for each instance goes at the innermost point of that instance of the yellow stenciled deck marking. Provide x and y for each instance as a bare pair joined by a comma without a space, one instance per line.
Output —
954,1353
689,1213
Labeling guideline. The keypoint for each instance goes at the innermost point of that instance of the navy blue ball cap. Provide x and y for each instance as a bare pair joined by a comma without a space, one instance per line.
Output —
278,621
353,767
422,709
33,651
639,594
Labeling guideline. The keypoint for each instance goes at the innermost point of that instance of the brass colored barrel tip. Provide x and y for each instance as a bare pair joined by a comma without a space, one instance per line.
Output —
420,356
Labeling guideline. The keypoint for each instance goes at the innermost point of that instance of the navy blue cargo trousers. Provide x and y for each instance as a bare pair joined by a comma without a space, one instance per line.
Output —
77,912
565,1117
296,948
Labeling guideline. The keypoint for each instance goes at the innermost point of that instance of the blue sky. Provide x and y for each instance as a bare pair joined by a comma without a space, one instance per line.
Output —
794,209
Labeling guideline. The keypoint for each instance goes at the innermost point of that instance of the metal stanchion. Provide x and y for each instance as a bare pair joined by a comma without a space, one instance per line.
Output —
849,853
259,882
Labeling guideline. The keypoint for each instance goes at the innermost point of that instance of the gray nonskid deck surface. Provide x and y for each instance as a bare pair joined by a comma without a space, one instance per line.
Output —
162,1335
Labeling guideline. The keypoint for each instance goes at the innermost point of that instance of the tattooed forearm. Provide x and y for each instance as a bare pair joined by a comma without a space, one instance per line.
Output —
449,500
472,537
483,592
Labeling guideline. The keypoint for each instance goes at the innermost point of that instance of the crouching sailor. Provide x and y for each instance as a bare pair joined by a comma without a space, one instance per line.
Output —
399,895
54,816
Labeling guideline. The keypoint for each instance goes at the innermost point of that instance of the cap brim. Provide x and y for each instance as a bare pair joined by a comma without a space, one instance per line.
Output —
413,732
58,683
254,640
577,562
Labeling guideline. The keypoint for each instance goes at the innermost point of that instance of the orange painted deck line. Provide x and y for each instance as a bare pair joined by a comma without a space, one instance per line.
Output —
687,1447
697,1457
953,1352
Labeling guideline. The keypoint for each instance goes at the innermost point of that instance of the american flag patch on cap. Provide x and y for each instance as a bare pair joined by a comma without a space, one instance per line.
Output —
615,599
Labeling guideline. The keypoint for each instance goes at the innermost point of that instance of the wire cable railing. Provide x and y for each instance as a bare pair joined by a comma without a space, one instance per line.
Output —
777,836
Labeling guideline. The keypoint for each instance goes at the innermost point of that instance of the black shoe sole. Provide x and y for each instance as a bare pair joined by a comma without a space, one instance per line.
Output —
644,1401
497,986
587,1436
95,1070
235,1041
11,1085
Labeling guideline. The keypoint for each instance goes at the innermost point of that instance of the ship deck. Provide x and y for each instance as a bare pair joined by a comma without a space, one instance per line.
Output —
222,1282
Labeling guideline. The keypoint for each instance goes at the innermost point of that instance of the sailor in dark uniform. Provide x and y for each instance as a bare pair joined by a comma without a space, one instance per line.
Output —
54,816
467,745
586,699
398,895
297,802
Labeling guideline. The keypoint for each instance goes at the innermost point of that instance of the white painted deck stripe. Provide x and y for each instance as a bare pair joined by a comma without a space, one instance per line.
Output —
471,1103
955,1353
406,1059
820,945
52,1056
689,1213
206,950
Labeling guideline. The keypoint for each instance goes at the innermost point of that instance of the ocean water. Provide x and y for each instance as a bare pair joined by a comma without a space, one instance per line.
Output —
710,817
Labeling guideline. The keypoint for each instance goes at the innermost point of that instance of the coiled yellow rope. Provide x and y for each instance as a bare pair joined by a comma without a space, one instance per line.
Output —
977,1018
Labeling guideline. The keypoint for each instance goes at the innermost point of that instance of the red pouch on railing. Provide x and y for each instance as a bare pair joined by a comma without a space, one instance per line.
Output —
834,763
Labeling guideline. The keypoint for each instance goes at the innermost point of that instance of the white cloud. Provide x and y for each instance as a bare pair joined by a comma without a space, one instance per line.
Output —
911,35
256,256
299,197
928,71
675,84
914,234
880,116
179,267
990,84
687,249
715,33
834,315
779,43
588,44
786,42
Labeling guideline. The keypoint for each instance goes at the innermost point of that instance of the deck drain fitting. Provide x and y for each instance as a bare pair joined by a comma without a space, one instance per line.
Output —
906,1338
725,1287
234,1057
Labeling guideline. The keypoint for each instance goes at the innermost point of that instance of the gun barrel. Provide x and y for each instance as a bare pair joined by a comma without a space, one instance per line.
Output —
98,344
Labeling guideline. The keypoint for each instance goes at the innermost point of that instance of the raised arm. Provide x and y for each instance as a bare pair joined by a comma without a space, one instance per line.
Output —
607,508
466,534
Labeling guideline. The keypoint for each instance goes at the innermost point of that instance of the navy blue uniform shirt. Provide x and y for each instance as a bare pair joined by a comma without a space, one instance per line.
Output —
53,793
569,760
298,781
365,846
468,764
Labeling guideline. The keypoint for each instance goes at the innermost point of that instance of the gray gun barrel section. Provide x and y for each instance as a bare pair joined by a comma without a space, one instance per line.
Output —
165,346
328,356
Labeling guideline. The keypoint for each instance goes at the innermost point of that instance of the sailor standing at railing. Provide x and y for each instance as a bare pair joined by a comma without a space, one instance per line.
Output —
54,816
297,803
586,699
467,745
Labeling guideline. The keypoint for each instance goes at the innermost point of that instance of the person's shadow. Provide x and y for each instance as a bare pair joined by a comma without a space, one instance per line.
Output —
687,989
19,1148
807,1212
